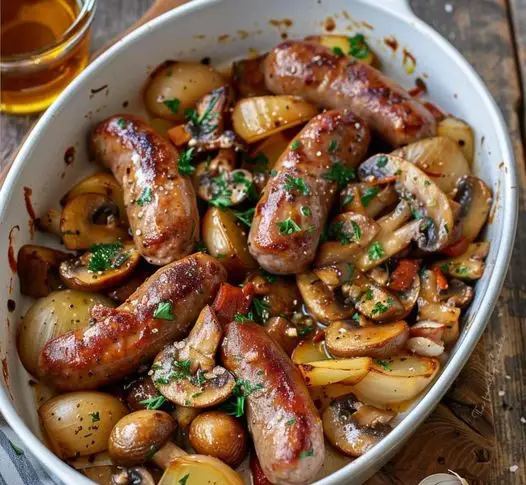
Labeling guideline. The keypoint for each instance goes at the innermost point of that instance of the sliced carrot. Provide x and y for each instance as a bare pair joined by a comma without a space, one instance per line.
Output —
457,248
178,135
442,283
231,300
404,274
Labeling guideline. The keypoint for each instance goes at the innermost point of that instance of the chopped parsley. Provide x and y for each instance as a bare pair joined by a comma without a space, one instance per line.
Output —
221,192
306,453
369,194
183,480
182,370
164,311
172,105
305,211
358,47
145,197
288,227
337,51
204,123
153,402
446,228
273,172
271,278
332,146
236,405
18,451
258,163
356,317
106,256
295,145
200,247
348,199
368,293
336,232
296,183
461,271
383,363
185,162
290,422
380,308
340,174
122,123
95,416
240,318
376,251
427,183
261,309
357,231
381,161
246,216
305,330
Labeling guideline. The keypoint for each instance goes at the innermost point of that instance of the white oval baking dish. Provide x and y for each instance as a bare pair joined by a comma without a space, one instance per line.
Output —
193,32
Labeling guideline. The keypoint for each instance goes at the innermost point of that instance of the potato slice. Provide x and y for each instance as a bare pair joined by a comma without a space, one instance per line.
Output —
261,116
405,365
383,389
226,240
459,131
325,372
342,44
308,351
343,340
176,86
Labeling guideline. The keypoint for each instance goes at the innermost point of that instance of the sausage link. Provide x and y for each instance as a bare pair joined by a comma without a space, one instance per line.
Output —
122,338
296,202
160,203
285,426
312,71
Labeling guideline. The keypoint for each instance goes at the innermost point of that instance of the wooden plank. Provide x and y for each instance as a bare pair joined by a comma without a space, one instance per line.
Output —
518,18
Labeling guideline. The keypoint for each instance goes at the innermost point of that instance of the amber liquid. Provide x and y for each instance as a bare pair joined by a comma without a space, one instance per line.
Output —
27,27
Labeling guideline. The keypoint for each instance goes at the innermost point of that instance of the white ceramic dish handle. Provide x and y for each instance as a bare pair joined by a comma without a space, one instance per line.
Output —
401,6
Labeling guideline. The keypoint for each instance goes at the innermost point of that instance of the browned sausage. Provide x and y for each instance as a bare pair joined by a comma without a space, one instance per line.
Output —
296,202
122,338
314,72
161,204
285,426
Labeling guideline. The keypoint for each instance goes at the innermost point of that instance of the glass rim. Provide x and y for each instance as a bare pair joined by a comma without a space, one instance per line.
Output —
39,59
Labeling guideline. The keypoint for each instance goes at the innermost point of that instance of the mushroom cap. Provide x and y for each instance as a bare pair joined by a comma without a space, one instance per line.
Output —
351,429
138,435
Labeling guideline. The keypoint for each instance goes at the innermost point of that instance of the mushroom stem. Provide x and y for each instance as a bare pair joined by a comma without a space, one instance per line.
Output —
133,476
166,454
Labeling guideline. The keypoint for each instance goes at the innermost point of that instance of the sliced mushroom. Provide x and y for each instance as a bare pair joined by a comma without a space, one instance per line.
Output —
207,125
226,189
132,476
344,340
355,231
457,293
279,294
140,391
321,302
38,270
474,197
440,158
89,219
371,300
284,332
368,199
185,372
85,273
335,275
469,266
352,429
422,194
50,222
142,436
100,183
446,315
409,297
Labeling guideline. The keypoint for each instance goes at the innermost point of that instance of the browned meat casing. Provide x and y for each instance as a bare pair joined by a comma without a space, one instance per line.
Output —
302,191
122,338
285,426
160,203
317,74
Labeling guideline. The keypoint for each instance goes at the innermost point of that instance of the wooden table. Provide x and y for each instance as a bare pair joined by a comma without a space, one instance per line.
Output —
460,434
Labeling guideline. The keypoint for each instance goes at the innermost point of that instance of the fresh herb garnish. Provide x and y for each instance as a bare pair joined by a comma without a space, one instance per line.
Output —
357,231
340,174
185,162
164,311
153,402
172,105
305,330
261,309
358,47
348,198
368,293
246,216
271,278
243,389
296,183
355,317
383,363
183,480
305,211
332,146
145,197
200,247
104,256
95,416
369,194
203,123
288,227
295,145
379,308
290,422
18,451
306,453
336,232
381,161
461,271
221,192
240,318
337,51
122,123
375,251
